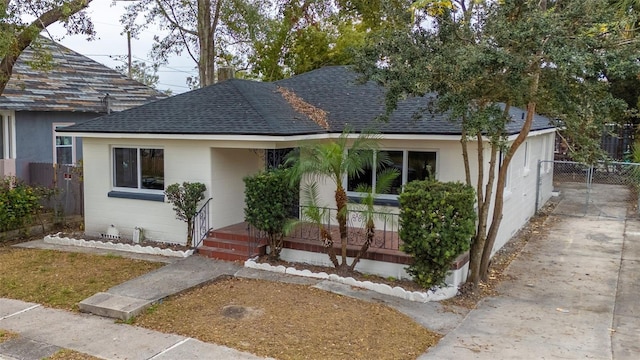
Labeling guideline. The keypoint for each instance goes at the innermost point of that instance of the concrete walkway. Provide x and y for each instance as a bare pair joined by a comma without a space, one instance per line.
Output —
572,294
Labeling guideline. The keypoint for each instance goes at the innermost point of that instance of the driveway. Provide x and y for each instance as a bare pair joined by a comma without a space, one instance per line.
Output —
572,293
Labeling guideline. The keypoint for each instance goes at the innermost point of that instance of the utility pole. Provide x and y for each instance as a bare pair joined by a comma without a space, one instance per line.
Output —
129,53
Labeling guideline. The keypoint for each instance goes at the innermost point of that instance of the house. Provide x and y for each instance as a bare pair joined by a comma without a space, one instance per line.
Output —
219,134
37,102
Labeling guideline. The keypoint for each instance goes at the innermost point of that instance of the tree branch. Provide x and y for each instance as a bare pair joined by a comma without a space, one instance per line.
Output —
28,34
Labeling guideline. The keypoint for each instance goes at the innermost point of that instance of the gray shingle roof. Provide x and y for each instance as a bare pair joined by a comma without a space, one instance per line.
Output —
232,107
74,83
255,108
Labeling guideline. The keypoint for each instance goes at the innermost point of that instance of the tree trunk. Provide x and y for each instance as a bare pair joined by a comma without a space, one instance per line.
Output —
327,241
371,231
206,31
189,232
341,216
484,203
465,157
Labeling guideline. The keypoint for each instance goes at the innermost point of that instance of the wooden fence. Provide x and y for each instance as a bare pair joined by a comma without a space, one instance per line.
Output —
65,180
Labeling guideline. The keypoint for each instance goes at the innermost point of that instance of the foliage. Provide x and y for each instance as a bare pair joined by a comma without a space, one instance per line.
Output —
437,222
143,73
209,31
18,203
335,160
304,36
484,57
269,198
185,199
16,34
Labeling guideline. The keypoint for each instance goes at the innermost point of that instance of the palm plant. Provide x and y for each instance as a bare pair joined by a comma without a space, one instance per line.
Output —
343,158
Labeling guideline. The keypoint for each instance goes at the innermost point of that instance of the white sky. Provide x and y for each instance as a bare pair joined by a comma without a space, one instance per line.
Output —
109,43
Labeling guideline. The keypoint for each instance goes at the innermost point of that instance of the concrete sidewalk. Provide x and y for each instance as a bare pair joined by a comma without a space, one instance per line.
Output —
571,294
44,331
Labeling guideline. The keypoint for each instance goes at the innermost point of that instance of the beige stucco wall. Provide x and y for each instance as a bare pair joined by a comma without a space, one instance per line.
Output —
520,195
222,165
228,168
220,169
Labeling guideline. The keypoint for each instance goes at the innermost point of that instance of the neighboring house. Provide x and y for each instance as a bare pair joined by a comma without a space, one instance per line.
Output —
219,134
37,102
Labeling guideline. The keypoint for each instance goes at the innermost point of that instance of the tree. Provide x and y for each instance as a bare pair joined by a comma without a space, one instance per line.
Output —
143,73
306,35
482,57
343,158
185,199
206,29
16,34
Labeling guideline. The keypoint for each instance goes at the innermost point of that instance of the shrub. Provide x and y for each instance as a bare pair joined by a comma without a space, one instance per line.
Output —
185,199
437,221
268,201
18,203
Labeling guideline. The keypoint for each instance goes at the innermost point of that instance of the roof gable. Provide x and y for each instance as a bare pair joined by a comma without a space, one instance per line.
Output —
74,83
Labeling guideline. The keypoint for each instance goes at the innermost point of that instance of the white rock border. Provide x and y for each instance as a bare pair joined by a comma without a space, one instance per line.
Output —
438,294
56,239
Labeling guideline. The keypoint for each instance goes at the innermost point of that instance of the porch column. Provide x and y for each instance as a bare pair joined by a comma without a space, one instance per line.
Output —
8,153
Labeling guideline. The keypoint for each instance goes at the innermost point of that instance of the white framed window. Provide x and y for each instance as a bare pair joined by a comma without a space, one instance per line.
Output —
64,146
138,169
507,178
411,165
547,154
526,159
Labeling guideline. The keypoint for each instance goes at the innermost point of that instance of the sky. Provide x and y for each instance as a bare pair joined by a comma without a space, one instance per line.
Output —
110,43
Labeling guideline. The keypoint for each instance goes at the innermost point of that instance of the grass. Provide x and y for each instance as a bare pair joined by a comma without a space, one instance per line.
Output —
287,321
66,354
61,279
6,335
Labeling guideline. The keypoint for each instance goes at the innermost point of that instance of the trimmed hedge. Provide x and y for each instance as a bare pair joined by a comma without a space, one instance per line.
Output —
437,221
269,198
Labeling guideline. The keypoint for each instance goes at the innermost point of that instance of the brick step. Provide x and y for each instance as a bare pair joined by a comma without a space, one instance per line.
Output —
222,243
229,254
228,235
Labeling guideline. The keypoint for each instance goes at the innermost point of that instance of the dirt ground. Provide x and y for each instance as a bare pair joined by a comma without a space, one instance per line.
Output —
287,321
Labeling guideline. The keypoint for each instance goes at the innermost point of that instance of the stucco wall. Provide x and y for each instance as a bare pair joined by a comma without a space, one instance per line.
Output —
520,194
34,137
228,167
220,169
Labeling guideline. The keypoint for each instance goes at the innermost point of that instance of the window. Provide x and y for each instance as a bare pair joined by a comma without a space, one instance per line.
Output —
138,168
411,165
63,146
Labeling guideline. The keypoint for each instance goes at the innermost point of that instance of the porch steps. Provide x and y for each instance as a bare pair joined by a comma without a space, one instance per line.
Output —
231,245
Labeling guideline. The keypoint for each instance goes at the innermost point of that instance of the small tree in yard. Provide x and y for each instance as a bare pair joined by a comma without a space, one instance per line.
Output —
185,199
437,224
335,161
268,198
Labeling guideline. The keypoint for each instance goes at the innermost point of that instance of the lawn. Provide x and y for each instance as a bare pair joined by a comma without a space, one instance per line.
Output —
287,321
62,279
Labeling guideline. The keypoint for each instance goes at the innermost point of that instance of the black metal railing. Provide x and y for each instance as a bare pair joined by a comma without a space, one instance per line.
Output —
257,238
201,225
386,234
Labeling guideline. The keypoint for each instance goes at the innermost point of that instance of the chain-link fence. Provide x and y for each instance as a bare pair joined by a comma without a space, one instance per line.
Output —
598,189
